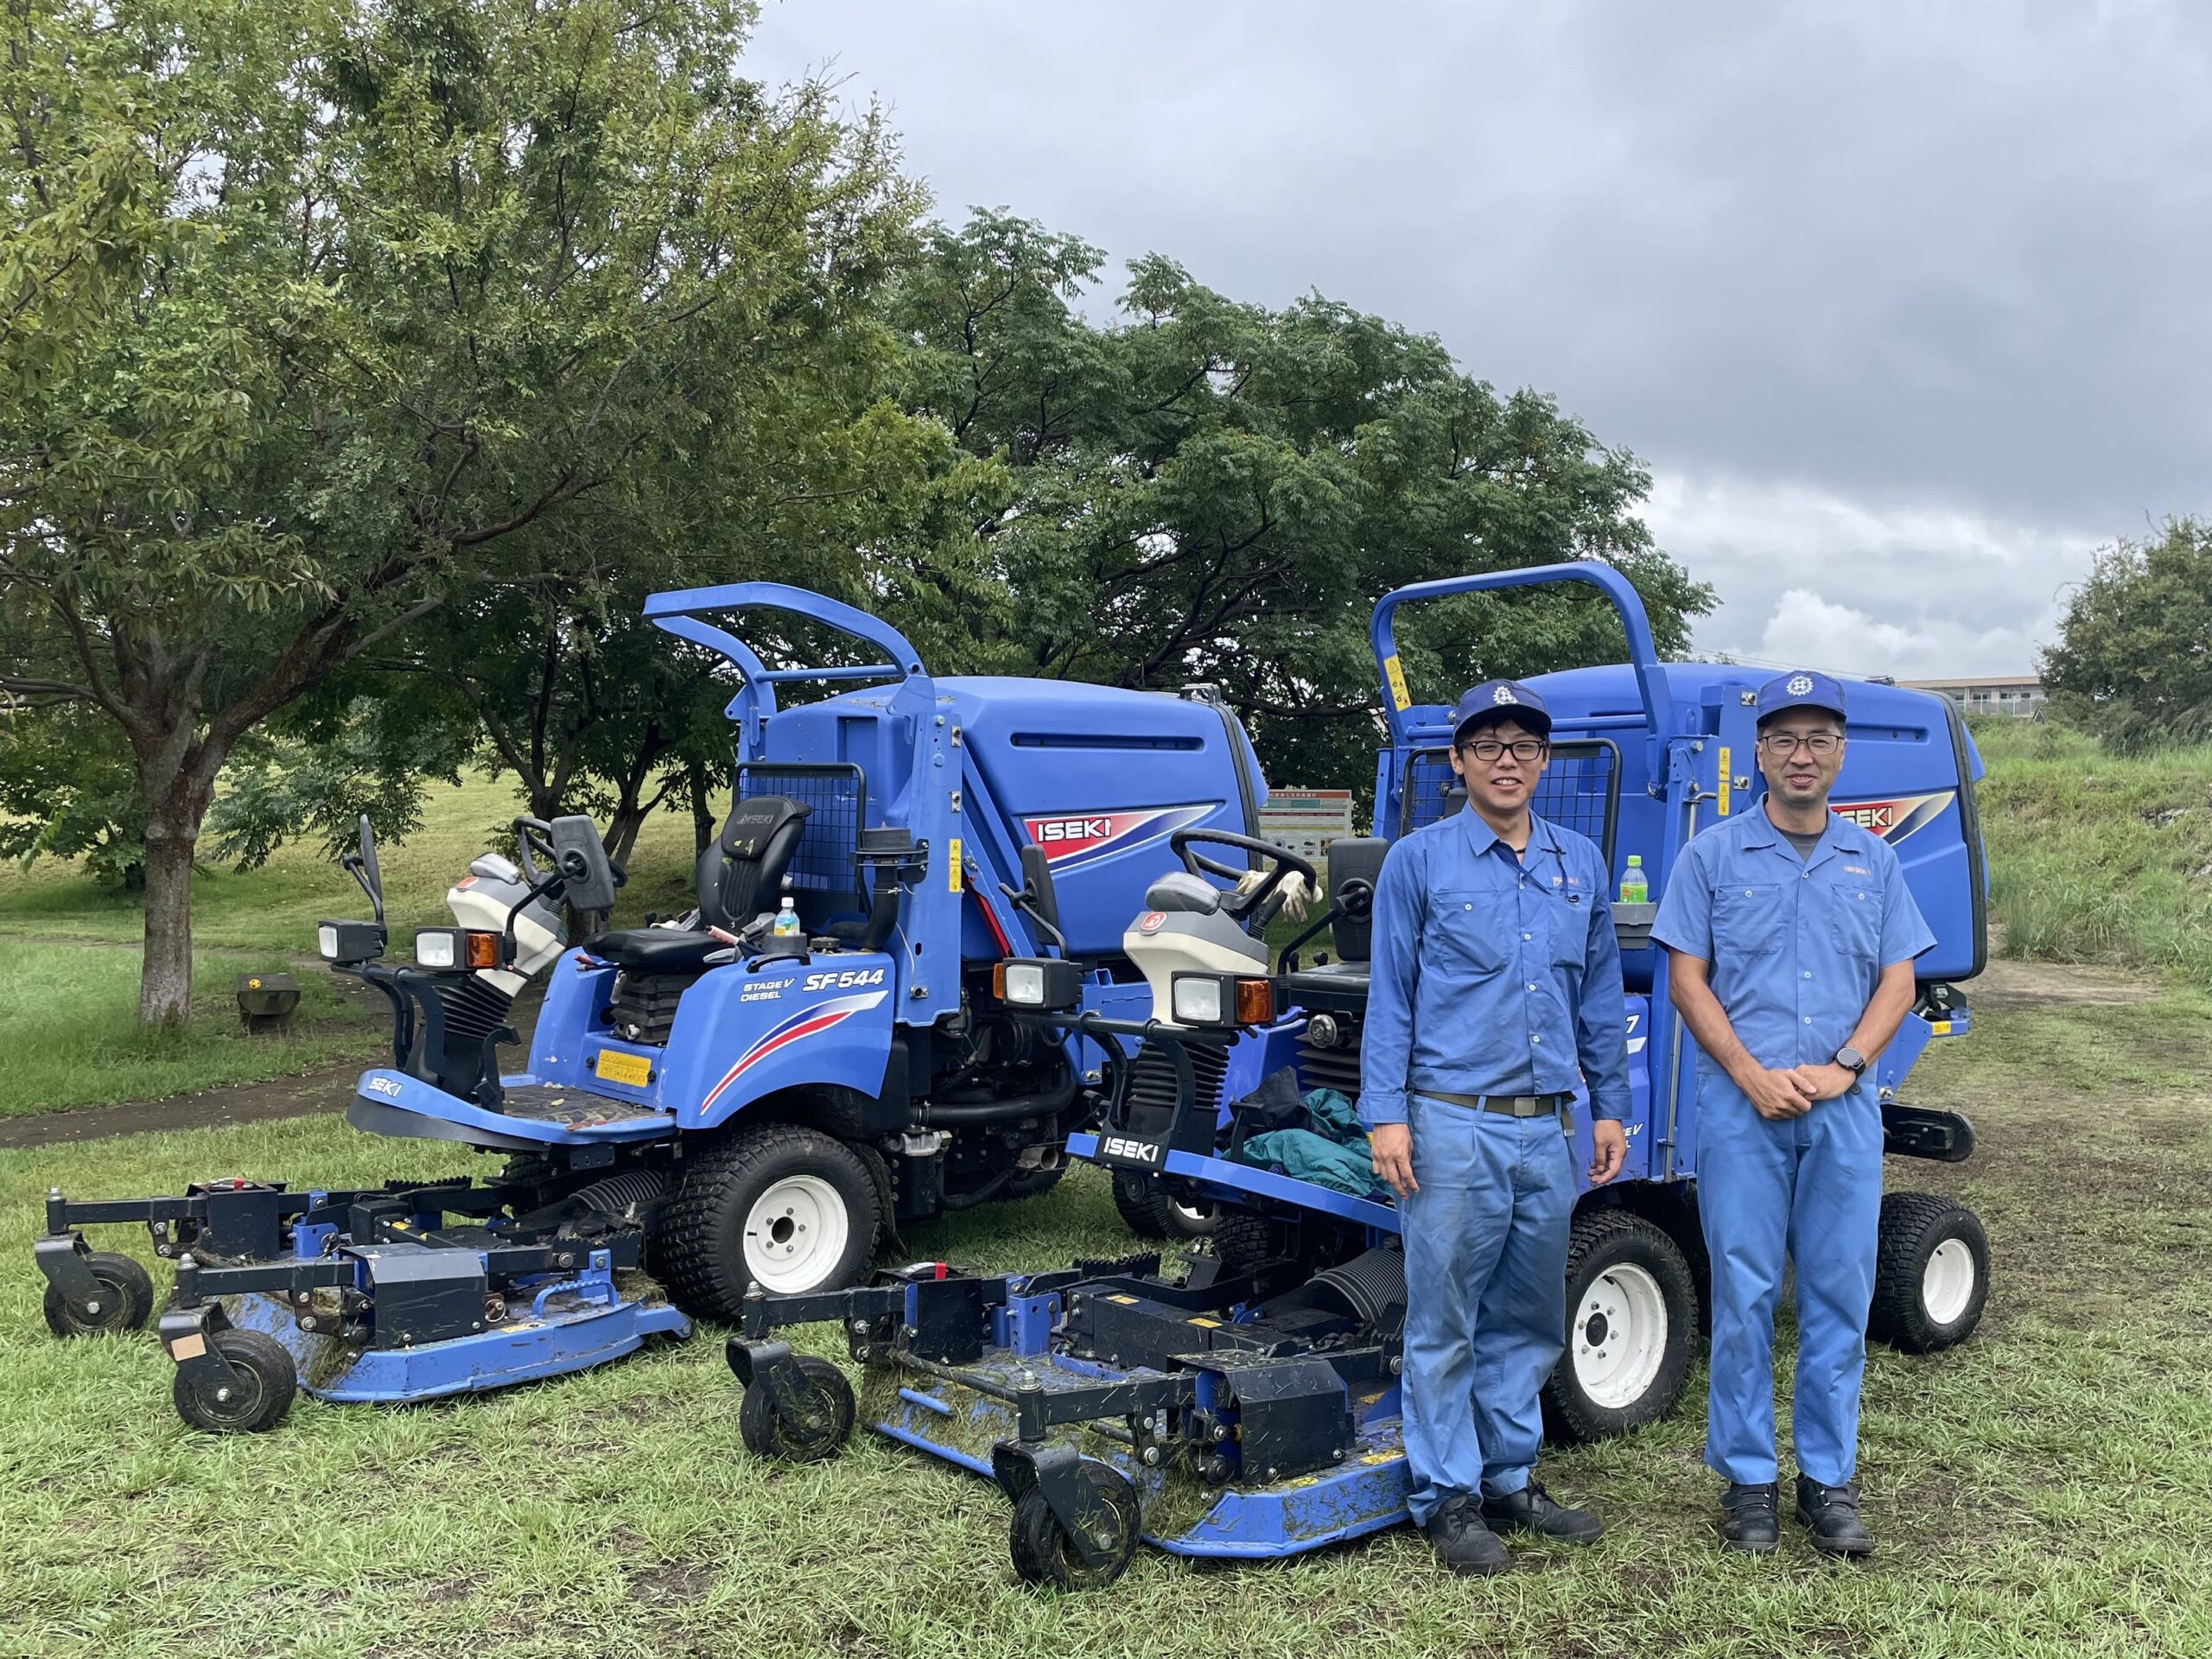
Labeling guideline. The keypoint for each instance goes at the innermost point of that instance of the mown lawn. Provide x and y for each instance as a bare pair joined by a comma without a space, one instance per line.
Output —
2039,1491
69,966
69,1031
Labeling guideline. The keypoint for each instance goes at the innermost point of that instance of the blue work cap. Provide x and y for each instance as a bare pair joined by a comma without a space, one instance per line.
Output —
1802,688
1500,700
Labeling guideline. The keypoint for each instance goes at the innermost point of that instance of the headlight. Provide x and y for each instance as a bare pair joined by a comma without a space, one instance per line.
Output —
1037,982
437,947
1196,1001
1221,1000
349,943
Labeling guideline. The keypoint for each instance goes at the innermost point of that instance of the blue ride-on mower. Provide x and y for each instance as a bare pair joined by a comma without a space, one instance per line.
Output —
713,1101
1248,1405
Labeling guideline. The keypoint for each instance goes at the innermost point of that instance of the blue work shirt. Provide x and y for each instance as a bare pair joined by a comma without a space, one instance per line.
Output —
1492,972
1796,944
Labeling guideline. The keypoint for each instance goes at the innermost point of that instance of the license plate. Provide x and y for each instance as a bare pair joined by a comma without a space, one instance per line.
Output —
616,1067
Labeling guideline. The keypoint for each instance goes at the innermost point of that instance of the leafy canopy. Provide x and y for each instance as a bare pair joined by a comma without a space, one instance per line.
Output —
2134,654
1211,491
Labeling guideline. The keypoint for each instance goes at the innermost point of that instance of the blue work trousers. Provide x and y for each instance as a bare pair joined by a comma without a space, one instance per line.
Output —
1485,1242
1808,1189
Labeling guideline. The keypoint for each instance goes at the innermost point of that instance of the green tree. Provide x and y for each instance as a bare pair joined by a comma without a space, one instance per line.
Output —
315,312
2133,659
1209,490
68,789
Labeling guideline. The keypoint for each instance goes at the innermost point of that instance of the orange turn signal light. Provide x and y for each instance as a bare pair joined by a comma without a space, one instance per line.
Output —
482,950
1256,1002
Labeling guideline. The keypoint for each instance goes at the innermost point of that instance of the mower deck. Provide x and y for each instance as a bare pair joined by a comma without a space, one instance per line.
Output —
1246,1418
370,1295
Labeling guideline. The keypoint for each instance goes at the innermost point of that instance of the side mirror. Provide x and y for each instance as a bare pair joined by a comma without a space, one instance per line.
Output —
361,865
587,879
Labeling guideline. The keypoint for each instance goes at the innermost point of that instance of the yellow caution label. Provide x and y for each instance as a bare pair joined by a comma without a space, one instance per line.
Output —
952,875
617,1067
1211,1324
1126,1301
1396,676
1939,1028
1725,780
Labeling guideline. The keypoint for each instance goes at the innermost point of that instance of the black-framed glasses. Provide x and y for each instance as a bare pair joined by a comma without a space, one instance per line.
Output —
1819,745
1524,748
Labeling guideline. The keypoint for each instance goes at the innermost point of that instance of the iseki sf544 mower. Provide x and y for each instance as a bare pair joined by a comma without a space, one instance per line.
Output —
720,1102
1249,1406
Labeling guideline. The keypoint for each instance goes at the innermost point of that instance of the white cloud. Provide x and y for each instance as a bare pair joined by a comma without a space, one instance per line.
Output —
1806,575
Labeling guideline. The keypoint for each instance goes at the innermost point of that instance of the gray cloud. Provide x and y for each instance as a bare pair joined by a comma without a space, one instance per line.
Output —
1906,306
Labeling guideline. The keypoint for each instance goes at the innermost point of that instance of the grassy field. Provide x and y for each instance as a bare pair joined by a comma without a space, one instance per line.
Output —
69,971
2098,857
69,1028
2039,1491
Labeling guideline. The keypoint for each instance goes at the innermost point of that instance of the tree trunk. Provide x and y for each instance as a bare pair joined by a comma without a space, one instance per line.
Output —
165,979
703,808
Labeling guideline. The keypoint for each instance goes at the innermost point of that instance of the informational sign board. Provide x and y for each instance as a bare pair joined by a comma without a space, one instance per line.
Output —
1306,820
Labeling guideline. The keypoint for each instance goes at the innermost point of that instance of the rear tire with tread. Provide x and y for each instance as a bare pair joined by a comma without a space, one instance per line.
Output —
1632,1321
1916,1228
1151,1212
699,1243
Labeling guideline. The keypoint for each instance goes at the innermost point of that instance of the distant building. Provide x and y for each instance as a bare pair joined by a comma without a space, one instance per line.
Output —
1991,694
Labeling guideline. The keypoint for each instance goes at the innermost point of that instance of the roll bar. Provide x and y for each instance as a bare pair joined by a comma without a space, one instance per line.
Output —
1643,656
679,612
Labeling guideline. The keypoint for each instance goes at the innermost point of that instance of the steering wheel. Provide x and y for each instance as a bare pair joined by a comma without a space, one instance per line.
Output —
1256,909
534,841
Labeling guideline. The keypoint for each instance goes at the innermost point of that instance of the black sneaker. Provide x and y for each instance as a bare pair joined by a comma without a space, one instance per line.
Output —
1749,1523
1531,1510
1462,1542
1831,1515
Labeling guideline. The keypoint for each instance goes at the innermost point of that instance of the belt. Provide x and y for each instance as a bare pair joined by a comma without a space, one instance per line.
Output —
1505,1105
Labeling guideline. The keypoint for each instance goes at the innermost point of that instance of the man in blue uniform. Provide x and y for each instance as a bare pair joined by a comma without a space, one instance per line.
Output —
1496,990
1792,937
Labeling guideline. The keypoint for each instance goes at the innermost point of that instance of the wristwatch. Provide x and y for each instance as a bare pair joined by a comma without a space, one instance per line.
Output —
1851,1060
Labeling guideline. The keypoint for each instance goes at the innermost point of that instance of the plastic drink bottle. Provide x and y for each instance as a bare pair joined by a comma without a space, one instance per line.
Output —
1634,890
786,920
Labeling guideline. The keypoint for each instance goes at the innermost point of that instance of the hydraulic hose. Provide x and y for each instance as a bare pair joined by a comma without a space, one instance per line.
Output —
959,1114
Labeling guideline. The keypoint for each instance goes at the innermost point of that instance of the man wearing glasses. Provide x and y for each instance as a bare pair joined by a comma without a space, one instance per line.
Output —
1792,937
1496,989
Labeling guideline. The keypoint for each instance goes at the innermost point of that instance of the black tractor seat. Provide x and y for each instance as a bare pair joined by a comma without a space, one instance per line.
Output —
1340,987
740,875
656,949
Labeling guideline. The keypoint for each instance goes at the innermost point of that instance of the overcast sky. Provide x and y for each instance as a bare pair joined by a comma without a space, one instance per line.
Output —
1907,308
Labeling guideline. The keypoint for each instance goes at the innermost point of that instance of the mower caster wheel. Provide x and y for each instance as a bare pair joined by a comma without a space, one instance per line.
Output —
258,1394
816,1431
1045,1553
126,1299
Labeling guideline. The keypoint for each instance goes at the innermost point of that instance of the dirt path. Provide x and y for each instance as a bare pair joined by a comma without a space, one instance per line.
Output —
2008,984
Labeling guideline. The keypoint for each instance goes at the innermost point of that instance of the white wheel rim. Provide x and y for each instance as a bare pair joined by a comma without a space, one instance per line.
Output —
795,1234
1947,1285
1619,1337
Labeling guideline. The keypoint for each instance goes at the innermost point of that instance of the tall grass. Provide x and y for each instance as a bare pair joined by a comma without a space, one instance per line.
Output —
2098,857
